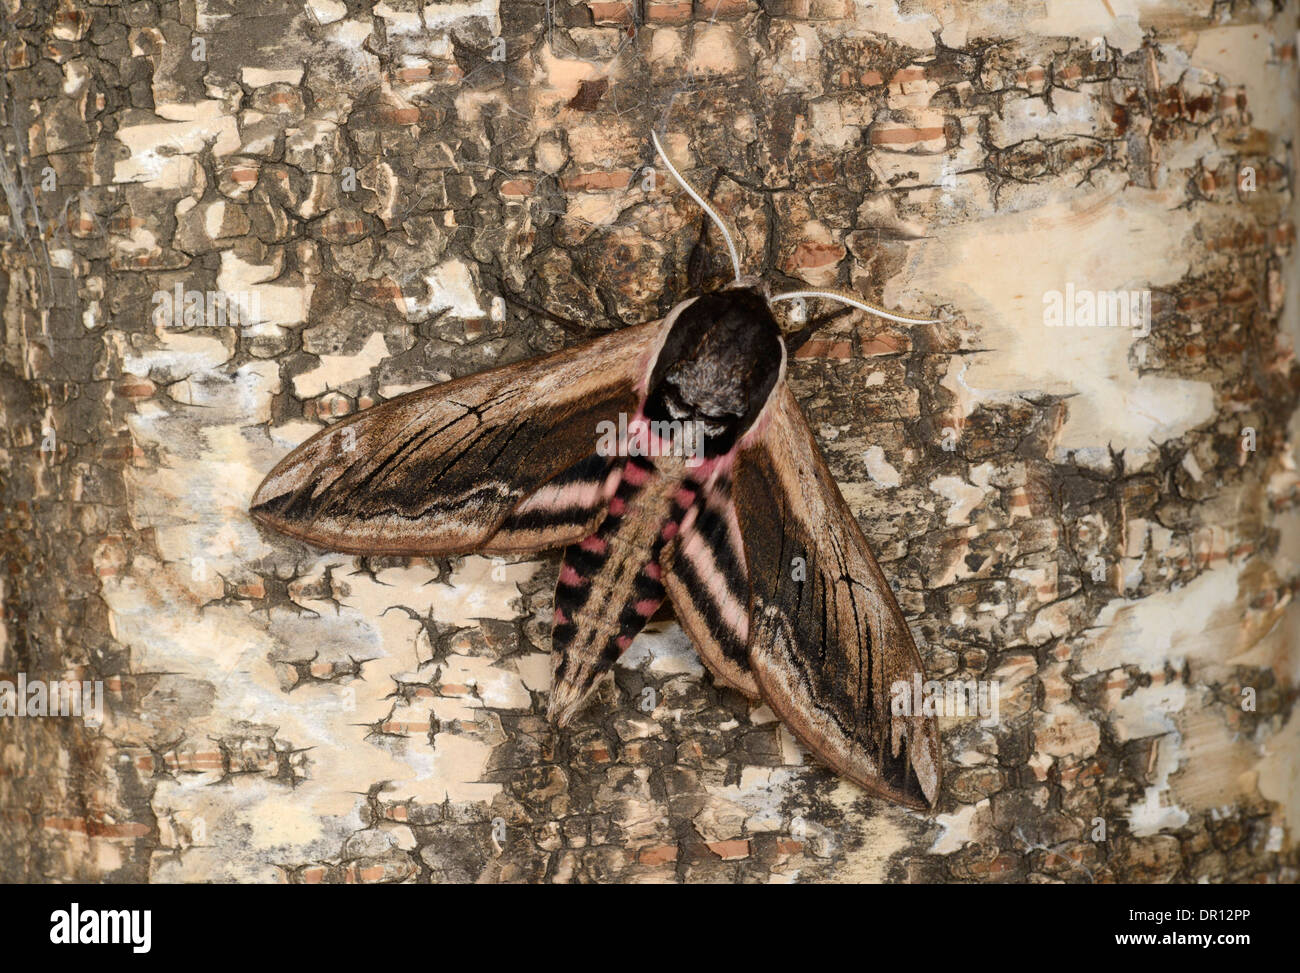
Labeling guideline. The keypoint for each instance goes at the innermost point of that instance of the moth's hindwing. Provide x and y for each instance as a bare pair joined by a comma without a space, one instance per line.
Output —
498,461
570,505
827,640
705,576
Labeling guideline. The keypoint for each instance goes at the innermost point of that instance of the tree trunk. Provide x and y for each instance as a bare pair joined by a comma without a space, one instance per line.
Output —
228,229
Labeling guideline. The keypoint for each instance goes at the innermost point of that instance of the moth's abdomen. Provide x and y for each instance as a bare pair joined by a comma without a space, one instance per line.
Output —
610,583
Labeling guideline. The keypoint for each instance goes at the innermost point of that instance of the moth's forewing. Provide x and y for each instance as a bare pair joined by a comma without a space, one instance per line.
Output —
827,641
443,469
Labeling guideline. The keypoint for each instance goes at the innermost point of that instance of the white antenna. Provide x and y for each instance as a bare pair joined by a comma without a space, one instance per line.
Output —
717,220
854,302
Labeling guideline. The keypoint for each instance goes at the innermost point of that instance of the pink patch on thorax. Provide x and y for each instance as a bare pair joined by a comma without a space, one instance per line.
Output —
707,468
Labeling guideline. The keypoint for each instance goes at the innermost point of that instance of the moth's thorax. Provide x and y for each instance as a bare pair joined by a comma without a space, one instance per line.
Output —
717,367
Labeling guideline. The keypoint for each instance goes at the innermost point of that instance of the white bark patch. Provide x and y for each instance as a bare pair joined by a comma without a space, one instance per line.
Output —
957,828
179,355
880,470
159,151
1246,54
963,497
335,371
260,77
449,288
1208,626
998,272
244,286
447,14
667,652
327,11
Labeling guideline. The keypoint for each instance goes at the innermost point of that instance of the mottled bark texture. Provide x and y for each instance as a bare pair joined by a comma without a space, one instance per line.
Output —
1102,521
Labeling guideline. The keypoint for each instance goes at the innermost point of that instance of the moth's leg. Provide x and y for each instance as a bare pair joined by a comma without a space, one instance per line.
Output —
572,327
797,339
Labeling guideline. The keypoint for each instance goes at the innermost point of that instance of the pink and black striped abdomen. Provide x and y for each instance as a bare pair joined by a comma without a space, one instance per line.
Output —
610,584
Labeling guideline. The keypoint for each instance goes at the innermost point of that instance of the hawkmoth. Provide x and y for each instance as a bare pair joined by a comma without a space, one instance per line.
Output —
745,531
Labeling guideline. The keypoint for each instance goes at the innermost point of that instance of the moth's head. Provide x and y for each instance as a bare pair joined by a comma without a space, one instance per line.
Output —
718,365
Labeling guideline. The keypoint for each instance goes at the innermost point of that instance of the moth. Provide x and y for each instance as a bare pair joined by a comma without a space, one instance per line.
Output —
671,461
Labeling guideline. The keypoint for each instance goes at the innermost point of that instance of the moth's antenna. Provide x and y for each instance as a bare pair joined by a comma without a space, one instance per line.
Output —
690,191
854,302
